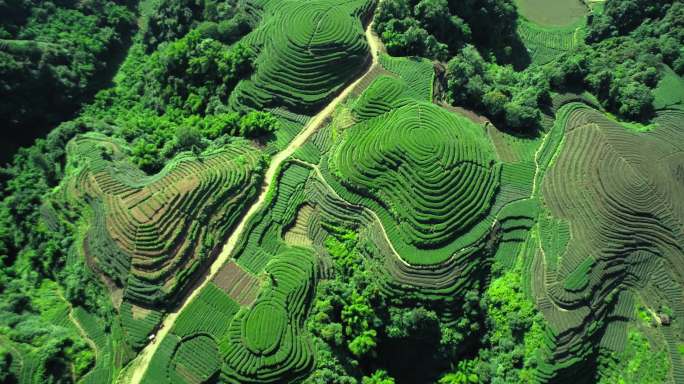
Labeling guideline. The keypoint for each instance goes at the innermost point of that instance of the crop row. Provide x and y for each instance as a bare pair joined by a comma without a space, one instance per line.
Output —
210,313
238,284
514,223
259,338
138,323
429,170
418,73
196,360
384,94
546,44
298,233
265,230
149,233
613,223
307,52
189,353
267,343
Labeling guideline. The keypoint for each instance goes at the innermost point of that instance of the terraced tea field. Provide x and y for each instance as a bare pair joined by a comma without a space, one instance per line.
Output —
363,227
544,44
623,208
550,28
428,171
307,52
436,198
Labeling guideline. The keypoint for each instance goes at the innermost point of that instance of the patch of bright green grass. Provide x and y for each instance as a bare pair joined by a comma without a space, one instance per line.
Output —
552,13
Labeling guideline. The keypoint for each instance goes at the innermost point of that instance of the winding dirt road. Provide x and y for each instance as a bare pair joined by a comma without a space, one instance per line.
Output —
138,366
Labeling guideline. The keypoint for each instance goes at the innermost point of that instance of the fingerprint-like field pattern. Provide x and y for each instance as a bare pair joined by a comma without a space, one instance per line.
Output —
615,190
429,169
308,51
147,231
267,343
384,94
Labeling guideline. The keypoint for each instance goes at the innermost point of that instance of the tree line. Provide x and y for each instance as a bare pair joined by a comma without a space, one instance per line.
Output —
626,46
53,57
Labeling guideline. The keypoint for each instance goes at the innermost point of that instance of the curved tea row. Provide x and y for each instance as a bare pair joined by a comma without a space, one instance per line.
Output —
308,50
148,232
432,172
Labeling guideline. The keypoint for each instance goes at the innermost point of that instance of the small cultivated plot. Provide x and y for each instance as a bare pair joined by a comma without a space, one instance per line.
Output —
513,149
195,361
549,28
670,90
138,323
417,72
240,285
544,44
264,240
384,94
297,234
262,330
552,13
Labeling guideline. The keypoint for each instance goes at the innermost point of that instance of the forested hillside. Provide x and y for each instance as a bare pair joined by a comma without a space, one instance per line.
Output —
54,56
358,191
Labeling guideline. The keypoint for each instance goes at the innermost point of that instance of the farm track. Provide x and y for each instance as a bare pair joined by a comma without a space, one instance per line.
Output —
140,363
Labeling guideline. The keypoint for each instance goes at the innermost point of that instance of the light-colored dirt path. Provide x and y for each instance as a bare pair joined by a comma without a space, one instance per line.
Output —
139,365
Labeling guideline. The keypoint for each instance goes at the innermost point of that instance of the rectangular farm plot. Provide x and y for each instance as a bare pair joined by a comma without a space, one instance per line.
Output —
297,234
237,283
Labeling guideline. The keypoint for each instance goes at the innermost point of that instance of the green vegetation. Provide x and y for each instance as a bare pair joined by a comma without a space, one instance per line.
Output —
302,67
495,198
63,51
515,338
555,13
546,44
439,28
587,266
505,95
621,68
196,360
670,91
149,233
266,343
621,65
638,363
409,161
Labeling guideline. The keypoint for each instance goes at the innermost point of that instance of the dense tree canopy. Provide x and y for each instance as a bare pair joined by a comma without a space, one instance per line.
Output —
225,21
621,67
53,57
439,28
621,17
172,94
502,93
